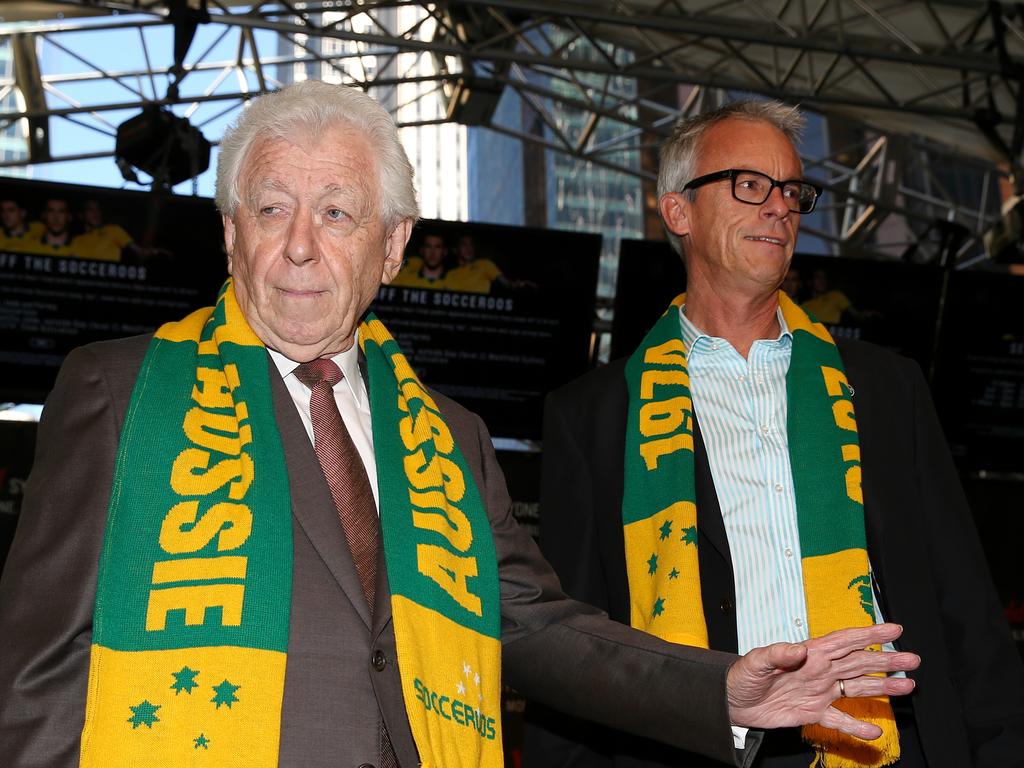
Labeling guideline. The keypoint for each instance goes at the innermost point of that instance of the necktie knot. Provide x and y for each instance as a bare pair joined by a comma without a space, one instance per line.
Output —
320,370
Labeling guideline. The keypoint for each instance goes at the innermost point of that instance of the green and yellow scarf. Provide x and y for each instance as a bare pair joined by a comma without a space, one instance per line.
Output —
660,514
190,626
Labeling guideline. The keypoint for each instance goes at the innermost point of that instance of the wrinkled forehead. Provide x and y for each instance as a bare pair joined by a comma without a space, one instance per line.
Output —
738,142
340,160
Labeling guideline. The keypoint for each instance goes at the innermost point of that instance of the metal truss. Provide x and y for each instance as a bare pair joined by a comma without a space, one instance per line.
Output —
918,86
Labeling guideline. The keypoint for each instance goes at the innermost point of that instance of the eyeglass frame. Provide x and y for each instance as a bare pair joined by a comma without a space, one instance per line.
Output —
733,173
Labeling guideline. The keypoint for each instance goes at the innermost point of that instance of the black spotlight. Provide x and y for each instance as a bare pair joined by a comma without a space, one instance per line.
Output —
163,145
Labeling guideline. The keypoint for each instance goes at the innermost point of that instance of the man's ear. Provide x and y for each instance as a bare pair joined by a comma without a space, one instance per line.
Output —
229,238
674,208
394,249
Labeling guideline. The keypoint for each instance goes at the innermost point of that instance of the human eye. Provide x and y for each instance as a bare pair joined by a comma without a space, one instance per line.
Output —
266,204
335,214
792,191
751,183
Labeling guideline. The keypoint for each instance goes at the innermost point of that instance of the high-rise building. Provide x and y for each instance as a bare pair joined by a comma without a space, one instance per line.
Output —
437,150
515,183
496,190
13,144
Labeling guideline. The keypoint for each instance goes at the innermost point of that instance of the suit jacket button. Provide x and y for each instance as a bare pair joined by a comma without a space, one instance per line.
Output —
726,605
379,662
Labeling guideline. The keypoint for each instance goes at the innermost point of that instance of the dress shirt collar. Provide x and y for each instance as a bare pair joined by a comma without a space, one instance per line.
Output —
695,339
348,361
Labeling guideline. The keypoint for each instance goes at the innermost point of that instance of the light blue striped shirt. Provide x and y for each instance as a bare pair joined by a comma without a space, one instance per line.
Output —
741,407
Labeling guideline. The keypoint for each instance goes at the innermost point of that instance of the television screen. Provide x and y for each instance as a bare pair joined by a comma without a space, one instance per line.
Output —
495,316
80,264
890,303
979,374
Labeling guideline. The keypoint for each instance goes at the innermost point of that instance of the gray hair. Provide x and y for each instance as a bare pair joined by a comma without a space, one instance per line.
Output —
312,107
678,160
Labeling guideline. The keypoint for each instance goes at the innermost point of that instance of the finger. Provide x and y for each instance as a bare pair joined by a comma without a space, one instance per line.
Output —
842,641
859,663
840,721
876,686
784,656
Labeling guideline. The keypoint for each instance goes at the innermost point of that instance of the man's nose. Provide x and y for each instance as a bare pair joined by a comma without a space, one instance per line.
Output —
776,204
301,245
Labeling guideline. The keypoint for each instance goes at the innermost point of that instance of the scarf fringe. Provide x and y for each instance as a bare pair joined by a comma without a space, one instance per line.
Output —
838,750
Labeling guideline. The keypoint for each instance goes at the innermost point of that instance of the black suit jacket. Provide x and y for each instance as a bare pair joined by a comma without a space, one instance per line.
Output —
337,688
929,565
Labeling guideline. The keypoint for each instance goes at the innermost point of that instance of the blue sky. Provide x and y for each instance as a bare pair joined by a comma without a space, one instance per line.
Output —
122,50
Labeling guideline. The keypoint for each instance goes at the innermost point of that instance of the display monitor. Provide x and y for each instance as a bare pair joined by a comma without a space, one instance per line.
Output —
495,316
82,264
891,303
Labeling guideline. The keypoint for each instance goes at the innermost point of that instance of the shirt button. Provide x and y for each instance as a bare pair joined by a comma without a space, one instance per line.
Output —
765,429
798,621
778,488
714,345
726,605
741,377
789,553
759,379
379,662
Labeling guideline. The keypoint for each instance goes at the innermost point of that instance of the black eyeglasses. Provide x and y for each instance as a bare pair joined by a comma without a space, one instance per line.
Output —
754,187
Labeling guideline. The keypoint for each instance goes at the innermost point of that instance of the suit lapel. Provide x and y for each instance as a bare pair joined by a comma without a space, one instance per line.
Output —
382,590
710,526
875,524
382,597
312,505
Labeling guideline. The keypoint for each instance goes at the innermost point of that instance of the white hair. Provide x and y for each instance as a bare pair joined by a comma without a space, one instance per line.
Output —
312,107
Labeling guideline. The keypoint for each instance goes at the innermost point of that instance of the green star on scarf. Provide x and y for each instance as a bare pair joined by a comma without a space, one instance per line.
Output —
185,680
225,694
144,714
666,529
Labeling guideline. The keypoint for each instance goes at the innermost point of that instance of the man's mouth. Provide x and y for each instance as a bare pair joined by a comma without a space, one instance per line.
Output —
767,239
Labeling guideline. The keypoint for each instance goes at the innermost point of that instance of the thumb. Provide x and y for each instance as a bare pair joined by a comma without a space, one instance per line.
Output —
785,656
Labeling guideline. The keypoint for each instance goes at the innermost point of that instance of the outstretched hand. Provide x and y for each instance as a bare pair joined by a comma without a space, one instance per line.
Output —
792,684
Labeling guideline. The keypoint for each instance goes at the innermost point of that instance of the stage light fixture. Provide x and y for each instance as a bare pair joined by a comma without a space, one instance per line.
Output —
163,145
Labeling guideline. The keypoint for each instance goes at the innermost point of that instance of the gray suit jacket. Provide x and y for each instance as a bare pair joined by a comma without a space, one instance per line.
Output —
342,677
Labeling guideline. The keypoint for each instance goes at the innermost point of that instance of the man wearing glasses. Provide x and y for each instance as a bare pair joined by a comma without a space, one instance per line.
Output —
741,480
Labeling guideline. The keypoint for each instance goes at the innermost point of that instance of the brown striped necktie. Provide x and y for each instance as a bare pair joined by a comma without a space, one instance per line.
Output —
344,470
